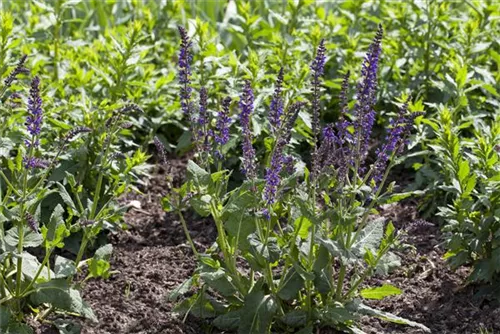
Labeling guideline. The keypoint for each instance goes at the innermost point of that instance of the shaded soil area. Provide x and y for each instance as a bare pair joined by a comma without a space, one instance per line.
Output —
152,257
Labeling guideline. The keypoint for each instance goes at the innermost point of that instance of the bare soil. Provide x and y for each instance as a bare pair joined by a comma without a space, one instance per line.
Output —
152,257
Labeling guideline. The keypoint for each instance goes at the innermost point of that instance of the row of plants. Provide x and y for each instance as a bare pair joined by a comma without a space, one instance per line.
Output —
126,50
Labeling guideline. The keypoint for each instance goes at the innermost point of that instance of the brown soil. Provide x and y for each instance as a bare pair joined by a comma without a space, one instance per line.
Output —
152,257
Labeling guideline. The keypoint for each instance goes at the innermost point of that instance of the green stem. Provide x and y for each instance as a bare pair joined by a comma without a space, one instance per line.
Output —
81,251
340,282
186,232
9,184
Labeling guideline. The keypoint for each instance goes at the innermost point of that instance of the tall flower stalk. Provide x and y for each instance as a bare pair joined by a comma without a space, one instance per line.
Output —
184,64
221,134
366,99
317,68
246,107
278,159
277,104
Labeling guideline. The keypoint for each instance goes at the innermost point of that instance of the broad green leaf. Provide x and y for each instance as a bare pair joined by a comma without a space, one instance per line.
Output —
218,280
66,197
335,315
380,292
180,290
99,265
198,175
291,286
64,267
302,226
61,295
295,318
199,305
360,308
30,268
228,321
30,239
370,237
270,252
201,205
257,313
237,216
4,317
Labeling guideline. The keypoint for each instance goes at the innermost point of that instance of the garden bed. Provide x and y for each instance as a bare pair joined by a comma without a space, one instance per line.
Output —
151,258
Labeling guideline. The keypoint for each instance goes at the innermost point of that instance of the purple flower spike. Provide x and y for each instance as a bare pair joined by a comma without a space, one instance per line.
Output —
160,148
34,162
202,135
184,63
35,112
278,161
246,106
395,140
277,104
32,223
317,67
366,95
222,127
18,70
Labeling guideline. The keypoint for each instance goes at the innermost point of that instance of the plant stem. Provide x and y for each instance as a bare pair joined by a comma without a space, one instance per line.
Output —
186,232
340,282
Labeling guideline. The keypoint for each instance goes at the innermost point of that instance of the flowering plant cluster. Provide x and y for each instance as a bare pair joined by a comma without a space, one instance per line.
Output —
46,206
295,243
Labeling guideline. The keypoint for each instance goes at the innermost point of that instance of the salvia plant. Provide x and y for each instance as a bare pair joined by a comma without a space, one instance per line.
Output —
46,208
295,244
469,182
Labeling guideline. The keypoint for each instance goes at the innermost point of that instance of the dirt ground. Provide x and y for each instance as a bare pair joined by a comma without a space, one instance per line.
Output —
151,258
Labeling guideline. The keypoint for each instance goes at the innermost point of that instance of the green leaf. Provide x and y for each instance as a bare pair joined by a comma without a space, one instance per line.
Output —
228,321
380,292
59,124
463,170
302,226
199,305
201,205
30,239
181,289
64,267
99,265
270,252
257,313
18,328
295,318
56,219
198,175
31,266
336,250
370,237
388,263
335,315
4,317
360,308
218,280
61,295
66,197
291,286
238,220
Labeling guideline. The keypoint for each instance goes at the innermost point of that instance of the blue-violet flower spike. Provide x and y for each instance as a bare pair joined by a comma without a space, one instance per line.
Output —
246,107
